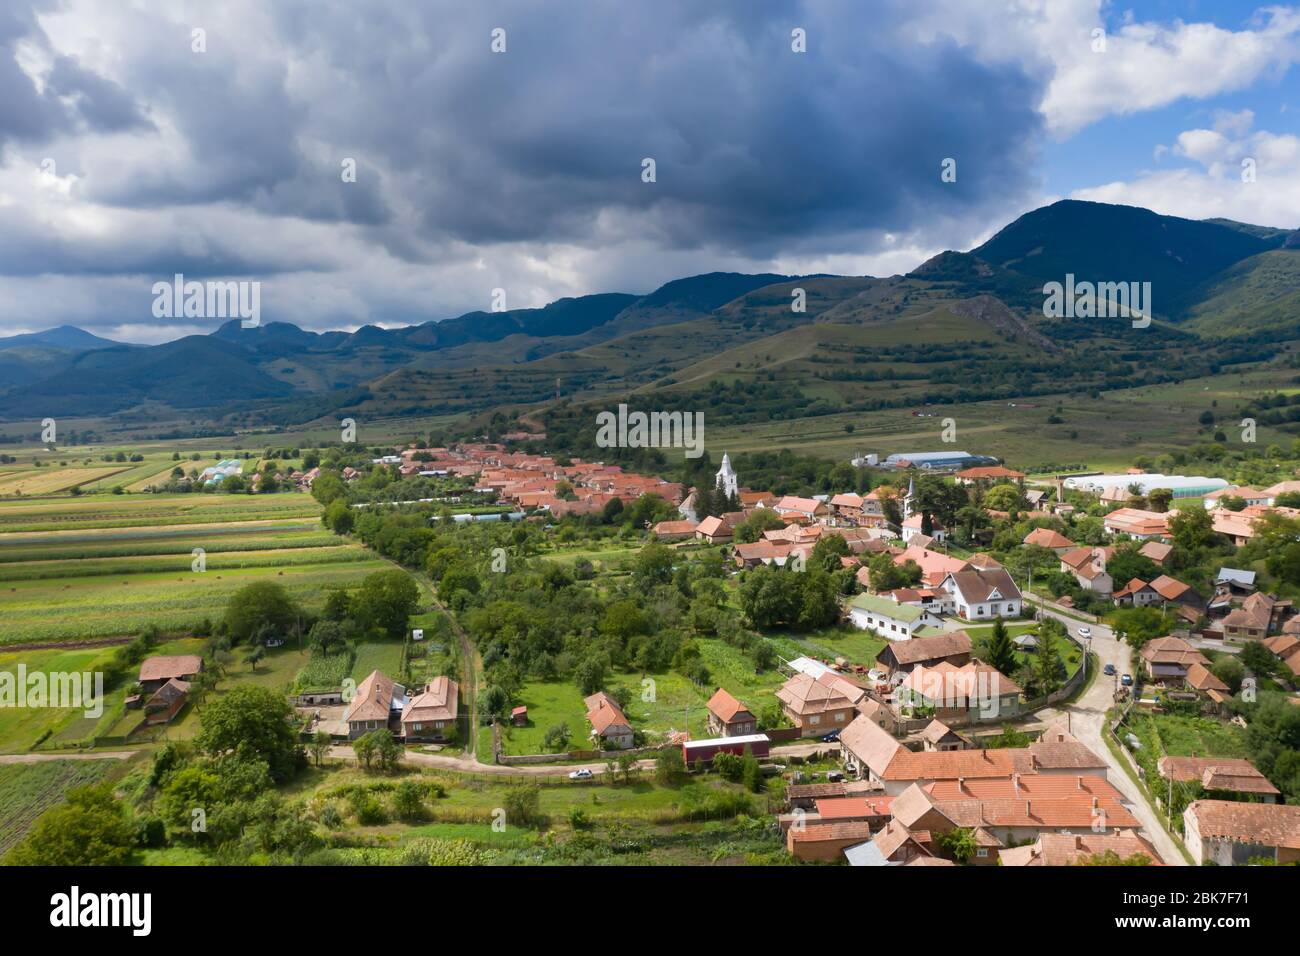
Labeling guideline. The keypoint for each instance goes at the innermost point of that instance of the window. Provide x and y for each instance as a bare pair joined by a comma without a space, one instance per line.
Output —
982,851
417,726
815,719
839,717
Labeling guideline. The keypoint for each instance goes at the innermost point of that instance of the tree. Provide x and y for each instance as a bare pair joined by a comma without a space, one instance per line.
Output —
1258,659
627,766
253,723
1005,497
1273,738
1126,564
386,600
940,499
819,606
752,528
1047,664
557,737
90,829
327,488
259,604
320,746
522,804
770,597
338,517
327,638
378,747
254,655
999,652
365,747
189,788
1159,499
958,844
652,566
589,675
885,575
670,767
408,801
1191,529
1229,670
1285,564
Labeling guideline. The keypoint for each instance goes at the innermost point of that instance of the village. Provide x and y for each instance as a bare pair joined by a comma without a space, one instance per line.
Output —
940,756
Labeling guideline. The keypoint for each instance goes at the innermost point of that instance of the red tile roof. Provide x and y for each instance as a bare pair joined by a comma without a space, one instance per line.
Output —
1268,824
725,707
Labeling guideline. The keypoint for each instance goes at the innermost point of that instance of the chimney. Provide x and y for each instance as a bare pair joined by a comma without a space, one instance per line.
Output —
961,784
1028,811
1015,782
1094,804
1080,781
1078,842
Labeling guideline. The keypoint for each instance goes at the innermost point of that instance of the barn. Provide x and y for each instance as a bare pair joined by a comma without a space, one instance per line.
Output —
702,751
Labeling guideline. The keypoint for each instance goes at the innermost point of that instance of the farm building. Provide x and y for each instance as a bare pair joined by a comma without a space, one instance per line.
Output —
157,671
1182,486
937,460
702,751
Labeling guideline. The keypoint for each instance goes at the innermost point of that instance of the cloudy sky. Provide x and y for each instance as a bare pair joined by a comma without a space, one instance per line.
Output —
144,138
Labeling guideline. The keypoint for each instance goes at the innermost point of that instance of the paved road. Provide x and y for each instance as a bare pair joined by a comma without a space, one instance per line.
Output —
1086,719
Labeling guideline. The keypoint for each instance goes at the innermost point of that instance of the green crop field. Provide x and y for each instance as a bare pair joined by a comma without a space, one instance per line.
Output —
108,566
28,790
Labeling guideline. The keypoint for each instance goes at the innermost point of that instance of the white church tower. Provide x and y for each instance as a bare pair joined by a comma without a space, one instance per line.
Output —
726,481
909,500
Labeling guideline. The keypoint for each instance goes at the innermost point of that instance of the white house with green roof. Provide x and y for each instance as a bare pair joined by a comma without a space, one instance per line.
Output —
893,621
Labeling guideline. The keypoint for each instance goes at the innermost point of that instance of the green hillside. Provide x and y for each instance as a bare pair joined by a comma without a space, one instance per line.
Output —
1256,295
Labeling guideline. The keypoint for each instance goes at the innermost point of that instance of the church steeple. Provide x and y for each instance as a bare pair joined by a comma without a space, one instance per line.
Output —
726,480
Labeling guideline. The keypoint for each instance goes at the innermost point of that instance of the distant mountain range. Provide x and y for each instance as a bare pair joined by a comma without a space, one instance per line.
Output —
1212,279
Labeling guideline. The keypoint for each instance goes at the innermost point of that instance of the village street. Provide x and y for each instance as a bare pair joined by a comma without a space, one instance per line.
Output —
1085,719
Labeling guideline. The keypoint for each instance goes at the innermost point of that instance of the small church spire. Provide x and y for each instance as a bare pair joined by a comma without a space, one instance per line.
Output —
727,481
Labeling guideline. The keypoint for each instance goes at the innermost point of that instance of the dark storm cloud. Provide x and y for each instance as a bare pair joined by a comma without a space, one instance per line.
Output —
477,169
757,147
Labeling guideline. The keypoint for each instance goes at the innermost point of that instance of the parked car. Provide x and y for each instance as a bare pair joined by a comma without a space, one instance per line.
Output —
830,738
1084,632
1108,670
1127,680
834,776
580,774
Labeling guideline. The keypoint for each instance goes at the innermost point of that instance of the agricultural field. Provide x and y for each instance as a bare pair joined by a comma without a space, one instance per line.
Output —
25,728
1106,432
29,789
50,480
108,566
